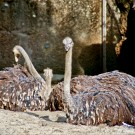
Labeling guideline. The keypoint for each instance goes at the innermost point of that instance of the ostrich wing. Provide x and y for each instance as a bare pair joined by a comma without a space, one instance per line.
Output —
121,83
19,90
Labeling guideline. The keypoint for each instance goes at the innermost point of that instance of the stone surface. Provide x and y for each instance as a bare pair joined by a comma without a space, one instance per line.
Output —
40,26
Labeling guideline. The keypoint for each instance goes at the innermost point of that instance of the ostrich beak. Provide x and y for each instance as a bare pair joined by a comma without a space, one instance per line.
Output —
16,59
16,55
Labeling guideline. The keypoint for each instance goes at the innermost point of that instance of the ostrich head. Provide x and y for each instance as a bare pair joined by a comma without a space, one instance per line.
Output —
17,54
48,73
68,43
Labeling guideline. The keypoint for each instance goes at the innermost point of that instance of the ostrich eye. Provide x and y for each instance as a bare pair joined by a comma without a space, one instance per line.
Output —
18,56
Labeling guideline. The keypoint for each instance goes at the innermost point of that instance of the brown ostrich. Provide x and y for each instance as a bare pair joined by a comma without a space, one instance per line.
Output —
23,88
91,100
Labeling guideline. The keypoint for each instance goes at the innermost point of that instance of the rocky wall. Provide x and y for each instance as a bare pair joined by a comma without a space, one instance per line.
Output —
40,26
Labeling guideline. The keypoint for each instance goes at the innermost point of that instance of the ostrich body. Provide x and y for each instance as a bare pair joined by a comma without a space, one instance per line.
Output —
23,88
105,98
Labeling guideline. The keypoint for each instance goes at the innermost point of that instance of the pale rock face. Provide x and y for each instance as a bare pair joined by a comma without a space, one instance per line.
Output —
40,26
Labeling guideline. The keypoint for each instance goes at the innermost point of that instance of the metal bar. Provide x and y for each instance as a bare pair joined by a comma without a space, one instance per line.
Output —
104,34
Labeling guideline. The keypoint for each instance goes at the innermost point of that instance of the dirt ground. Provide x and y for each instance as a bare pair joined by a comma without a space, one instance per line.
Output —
51,123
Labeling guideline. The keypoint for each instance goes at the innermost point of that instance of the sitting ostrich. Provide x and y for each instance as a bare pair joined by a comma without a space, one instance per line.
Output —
23,88
91,100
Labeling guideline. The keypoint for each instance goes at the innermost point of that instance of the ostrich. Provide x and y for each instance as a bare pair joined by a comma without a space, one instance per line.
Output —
91,100
23,88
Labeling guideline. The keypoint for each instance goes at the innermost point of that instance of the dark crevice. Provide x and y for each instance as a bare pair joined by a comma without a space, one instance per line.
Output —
127,55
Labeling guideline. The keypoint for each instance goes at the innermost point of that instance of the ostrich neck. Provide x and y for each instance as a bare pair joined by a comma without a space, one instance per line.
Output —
30,66
48,78
48,82
49,88
67,78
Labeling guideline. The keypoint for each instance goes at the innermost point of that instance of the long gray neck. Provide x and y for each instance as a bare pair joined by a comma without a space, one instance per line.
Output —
48,78
29,64
67,78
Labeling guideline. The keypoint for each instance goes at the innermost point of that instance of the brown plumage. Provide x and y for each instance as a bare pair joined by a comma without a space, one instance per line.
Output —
110,99
114,80
23,88
105,98
19,90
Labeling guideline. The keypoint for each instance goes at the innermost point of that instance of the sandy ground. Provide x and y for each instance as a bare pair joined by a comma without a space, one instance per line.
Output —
51,123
